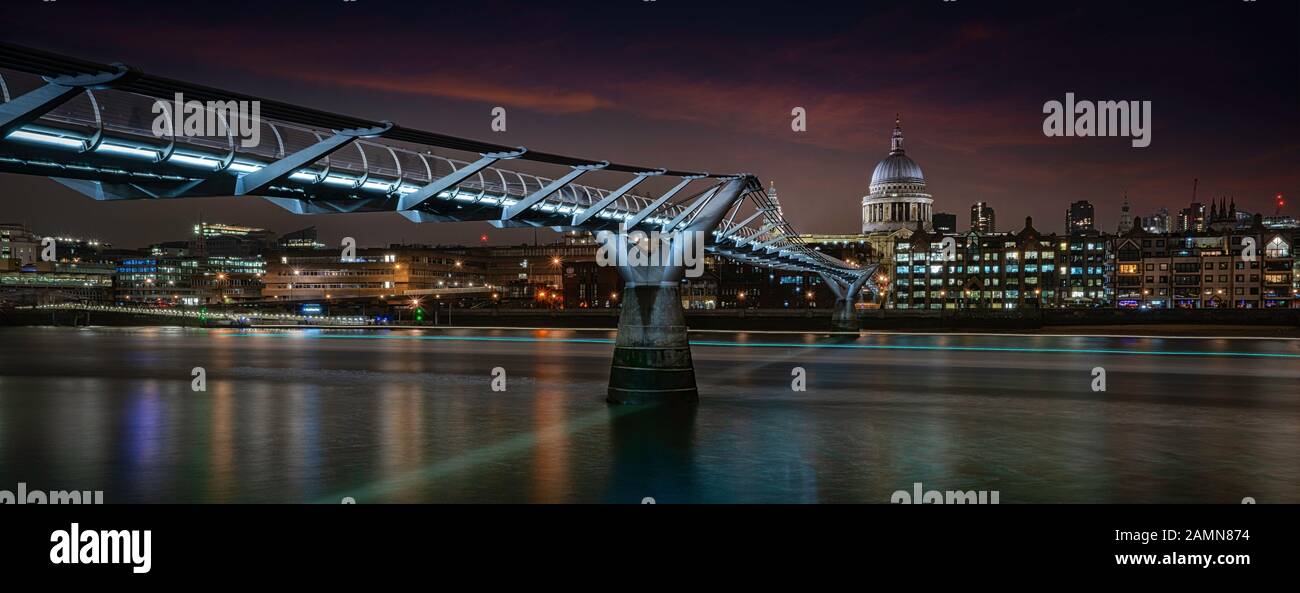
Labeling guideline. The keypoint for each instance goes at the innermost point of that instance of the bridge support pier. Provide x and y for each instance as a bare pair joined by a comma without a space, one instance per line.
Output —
844,317
652,354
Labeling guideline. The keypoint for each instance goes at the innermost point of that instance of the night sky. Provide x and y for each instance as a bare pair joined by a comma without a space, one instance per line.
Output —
701,85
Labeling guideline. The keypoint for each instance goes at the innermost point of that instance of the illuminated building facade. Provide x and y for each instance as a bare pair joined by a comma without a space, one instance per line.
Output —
300,239
981,270
373,273
164,279
1084,261
18,243
1206,270
1080,217
982,218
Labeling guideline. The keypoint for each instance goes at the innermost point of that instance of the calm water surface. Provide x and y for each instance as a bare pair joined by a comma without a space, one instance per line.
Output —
408,416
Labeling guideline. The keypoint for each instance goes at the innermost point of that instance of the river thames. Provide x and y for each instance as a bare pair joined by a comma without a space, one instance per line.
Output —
304,415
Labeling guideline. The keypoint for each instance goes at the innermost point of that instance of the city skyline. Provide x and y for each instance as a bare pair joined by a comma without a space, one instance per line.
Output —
547,236
973,120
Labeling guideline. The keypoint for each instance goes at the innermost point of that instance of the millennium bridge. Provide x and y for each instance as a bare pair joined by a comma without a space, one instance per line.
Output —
93,127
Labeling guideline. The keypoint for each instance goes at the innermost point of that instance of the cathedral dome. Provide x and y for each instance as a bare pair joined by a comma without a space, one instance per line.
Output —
897,197
897,168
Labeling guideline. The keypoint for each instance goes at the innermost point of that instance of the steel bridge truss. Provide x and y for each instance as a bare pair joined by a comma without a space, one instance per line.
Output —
95,128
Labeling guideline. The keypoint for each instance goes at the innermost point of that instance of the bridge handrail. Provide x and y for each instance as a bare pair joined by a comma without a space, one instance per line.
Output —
508,187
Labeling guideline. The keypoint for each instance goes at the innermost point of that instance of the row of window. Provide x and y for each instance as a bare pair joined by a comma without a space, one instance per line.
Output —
987,294
1011,269
1187,267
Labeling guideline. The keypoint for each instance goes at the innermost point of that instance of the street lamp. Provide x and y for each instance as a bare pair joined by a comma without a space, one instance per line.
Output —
413,304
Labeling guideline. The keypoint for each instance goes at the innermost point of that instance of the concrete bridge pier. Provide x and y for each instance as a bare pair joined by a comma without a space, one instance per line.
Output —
652,354
844,317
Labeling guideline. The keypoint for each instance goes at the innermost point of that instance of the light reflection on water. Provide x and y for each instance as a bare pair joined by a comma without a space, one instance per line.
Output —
312,416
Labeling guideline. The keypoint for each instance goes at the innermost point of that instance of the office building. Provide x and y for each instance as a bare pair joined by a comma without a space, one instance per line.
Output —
982,219
1206,270
1079,217
982,270
18,243
943,222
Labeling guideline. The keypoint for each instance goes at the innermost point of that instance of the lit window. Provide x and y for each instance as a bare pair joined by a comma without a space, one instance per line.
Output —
1276,248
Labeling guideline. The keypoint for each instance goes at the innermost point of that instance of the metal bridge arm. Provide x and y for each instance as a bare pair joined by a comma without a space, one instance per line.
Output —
767,227
710,214
768,243
700,201
411,200
648,210
31,106
734,228
837,286
711,210
595,209
278,170
541,194
57,91
857,285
